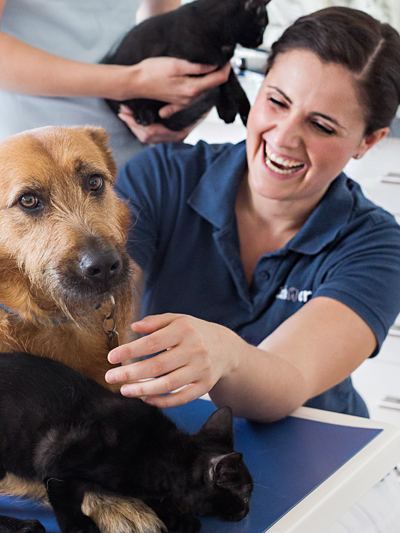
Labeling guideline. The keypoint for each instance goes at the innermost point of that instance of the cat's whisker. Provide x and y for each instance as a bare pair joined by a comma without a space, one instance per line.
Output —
262,486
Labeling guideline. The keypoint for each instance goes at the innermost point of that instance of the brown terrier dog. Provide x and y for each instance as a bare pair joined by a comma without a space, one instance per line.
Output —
66,284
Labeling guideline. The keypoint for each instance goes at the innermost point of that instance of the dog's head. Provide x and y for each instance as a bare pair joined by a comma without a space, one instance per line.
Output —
252,22
63,227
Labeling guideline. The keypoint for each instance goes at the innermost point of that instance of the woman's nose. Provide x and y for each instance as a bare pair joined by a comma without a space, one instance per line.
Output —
288,132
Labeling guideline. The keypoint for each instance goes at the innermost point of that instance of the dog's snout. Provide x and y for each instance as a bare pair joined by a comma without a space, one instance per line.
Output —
100,265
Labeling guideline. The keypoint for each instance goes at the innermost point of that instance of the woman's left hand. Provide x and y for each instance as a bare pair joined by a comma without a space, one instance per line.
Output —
157,132
195,354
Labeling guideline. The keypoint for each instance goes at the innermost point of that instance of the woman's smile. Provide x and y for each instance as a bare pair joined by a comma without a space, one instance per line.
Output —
280,164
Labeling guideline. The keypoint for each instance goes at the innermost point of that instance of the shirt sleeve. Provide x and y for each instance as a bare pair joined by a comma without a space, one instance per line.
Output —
156,183
363,271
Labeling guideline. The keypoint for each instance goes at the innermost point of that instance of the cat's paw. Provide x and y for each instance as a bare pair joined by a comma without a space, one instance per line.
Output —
145,114
125,515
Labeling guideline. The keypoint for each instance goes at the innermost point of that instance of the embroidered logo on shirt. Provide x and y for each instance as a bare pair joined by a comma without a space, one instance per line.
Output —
291,294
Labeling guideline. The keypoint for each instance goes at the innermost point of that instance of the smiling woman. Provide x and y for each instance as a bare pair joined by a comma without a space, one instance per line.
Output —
301,135
269,276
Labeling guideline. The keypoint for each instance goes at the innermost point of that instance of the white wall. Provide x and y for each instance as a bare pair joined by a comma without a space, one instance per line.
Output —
283,12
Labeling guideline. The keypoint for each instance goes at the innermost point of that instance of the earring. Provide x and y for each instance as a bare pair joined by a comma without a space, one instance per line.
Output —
358,156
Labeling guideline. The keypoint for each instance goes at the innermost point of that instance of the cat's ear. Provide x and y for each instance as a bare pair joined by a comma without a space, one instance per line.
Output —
222,466
220,425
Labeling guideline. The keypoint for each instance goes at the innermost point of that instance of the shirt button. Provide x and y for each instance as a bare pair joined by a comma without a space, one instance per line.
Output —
265,275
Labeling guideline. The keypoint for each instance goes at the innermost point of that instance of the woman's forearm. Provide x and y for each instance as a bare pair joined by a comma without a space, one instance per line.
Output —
29,70
149,8
263,387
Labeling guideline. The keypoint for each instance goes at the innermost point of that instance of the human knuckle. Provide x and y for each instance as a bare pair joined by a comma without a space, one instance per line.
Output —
144,137
157,366
203,351
152,344
124,373
186,325
139,390
190,93
171,383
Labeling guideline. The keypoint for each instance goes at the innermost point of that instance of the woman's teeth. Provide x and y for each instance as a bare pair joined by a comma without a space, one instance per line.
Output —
280,165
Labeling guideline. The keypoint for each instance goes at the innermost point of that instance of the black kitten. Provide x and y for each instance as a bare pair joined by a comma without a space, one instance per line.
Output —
204,31
61,427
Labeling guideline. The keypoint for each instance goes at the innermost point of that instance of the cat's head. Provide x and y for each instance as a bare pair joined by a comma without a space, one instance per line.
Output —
223,482
251,22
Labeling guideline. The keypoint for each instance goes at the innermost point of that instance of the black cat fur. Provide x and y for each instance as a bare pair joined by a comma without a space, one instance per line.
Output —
62,428
203,31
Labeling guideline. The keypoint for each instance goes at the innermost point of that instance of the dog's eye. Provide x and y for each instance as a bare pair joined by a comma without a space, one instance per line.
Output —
95,183
29,201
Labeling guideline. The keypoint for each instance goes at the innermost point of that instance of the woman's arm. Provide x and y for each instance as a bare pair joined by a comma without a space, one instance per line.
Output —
309,353
29,70
149,8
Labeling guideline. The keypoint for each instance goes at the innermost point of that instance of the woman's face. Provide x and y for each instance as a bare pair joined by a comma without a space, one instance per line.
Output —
303,128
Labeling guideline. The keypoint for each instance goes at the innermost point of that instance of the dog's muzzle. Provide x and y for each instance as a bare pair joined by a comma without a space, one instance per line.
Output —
100,265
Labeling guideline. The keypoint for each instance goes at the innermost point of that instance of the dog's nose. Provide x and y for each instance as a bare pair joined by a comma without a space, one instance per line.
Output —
100,265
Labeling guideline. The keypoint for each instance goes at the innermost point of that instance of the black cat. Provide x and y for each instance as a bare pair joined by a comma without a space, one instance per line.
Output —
64,429
203,31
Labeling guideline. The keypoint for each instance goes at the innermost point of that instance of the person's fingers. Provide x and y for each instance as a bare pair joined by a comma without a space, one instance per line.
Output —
161,385
154,133
184,395
169,110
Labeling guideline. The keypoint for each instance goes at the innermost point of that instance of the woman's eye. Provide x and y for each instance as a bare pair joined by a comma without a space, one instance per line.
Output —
95,183
29,201
324,129
276,102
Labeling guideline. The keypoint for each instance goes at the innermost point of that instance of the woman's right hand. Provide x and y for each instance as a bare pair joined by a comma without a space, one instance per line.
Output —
176,81
156,132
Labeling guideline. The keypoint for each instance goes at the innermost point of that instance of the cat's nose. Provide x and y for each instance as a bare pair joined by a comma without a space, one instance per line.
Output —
243,513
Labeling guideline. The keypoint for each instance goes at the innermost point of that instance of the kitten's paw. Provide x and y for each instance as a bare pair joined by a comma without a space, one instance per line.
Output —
125,515
145,115
227,112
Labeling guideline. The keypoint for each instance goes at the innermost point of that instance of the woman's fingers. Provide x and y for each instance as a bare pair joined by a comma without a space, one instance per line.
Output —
161,339
192,355
185,395
154,133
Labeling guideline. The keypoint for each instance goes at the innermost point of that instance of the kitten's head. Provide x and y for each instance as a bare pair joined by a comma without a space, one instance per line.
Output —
222,480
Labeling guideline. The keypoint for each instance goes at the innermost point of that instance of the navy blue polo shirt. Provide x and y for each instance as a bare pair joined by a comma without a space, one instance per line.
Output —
184,236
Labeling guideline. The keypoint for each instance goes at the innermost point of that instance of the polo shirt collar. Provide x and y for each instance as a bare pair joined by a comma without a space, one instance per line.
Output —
327,219
214,199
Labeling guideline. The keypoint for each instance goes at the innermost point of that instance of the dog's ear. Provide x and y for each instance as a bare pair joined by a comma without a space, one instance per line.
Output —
101,138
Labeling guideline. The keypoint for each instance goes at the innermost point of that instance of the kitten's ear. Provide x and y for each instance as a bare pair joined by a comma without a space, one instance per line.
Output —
222,466
220,425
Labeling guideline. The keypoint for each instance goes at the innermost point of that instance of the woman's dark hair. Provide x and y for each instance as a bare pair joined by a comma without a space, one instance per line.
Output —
366,47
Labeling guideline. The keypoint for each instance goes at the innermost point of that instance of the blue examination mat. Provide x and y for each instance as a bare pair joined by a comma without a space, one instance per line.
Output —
287,459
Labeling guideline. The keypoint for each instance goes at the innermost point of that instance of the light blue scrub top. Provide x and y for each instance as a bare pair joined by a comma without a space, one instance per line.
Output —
83,30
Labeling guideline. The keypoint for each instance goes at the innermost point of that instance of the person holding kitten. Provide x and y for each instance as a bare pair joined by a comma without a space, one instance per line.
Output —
49,75
269,276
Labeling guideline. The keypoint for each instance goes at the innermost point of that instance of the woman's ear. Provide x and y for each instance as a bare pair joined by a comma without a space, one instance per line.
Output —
369,141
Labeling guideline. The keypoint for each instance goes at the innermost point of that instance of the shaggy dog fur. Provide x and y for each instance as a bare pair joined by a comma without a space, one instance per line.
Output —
63,265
